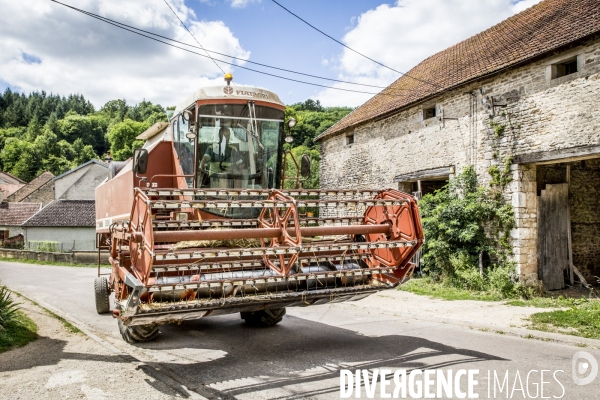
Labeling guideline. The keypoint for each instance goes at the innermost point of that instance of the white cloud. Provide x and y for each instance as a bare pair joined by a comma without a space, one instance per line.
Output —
47,46
242,3
404,34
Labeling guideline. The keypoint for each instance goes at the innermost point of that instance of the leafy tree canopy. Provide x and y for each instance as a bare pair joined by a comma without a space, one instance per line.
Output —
41,132
312,119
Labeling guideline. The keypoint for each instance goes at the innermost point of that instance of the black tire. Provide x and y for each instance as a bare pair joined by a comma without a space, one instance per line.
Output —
138,333
102,293
268,317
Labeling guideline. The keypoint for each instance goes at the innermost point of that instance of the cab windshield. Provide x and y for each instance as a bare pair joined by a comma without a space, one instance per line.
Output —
232,153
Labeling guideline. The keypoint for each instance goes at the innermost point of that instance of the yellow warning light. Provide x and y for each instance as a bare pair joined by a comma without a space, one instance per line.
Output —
228,78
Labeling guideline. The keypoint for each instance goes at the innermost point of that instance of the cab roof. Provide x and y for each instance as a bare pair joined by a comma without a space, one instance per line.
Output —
230,92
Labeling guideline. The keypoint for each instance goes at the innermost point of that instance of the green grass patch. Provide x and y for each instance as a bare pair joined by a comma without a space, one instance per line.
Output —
548,301
19,331
55,263
67,324
581,320
426,287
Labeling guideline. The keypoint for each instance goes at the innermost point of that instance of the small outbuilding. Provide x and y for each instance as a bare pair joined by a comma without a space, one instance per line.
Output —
12,215
68,224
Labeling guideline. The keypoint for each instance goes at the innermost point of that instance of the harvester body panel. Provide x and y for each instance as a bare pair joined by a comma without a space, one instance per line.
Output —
206,228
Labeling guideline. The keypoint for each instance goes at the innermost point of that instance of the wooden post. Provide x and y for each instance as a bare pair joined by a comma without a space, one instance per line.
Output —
569,241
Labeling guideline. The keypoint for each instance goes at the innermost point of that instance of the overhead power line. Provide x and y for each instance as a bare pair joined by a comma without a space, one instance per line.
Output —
121,24
190,32
351,49
139,32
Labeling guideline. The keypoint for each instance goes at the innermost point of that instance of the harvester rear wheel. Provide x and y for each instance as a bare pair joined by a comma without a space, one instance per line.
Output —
102,293
268,317
138,333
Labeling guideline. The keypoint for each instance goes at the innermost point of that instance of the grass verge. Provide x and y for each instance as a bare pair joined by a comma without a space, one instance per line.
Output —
20,331
55,263
72,328
425,287
580,320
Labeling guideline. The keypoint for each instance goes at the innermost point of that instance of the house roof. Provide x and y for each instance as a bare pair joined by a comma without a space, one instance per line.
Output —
65,213
10,178
9,189
105,165
31,187
14,214
544,28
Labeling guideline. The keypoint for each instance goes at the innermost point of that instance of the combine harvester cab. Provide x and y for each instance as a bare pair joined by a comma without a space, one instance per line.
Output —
197,223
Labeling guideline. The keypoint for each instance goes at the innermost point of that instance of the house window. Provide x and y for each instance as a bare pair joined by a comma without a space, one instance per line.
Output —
564,68
428,112
350,138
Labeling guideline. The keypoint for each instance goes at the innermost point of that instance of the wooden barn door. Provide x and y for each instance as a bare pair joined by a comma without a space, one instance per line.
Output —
553,235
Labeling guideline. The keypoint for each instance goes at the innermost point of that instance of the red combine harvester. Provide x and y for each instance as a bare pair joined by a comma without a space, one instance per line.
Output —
197,223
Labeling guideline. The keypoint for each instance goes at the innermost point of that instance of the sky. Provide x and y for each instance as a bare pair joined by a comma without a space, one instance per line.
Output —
46,46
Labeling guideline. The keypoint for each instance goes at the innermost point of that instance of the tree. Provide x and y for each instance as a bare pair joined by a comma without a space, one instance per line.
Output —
122,140
462,223
312,182
312,119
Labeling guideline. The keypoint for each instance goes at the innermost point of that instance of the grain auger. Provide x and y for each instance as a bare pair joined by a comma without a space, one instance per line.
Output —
203,244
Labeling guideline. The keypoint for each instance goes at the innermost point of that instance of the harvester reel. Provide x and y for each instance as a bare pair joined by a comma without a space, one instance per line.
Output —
279,217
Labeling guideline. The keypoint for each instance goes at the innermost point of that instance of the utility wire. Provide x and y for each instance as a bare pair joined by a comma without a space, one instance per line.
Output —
112,22
357,52
190,32
116,24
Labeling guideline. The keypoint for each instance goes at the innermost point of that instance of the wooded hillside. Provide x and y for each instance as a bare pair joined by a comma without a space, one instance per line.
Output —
46,132
41,132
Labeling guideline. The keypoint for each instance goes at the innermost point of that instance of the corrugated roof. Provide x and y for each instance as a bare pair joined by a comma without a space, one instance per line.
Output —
31,187
535,32
14,214
65,213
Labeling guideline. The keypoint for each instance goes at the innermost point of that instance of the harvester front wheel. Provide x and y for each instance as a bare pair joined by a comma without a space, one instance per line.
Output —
268,317
102,292
138,333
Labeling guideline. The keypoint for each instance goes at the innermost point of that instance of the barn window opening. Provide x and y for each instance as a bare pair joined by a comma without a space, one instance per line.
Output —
564,68
350,138
429,113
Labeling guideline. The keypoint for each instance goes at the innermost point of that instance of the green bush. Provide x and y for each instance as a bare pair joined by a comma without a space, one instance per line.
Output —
46,246
8,308
463,224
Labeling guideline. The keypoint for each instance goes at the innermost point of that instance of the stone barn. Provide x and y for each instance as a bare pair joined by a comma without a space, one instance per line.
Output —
523,96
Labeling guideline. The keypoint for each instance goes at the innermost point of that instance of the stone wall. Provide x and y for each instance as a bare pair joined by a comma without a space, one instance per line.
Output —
77,257
517,113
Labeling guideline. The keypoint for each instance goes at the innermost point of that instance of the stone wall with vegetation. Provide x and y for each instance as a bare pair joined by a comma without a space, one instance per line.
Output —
518,112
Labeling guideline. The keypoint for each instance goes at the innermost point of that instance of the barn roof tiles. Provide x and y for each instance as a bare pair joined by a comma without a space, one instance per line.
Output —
65,213
549,26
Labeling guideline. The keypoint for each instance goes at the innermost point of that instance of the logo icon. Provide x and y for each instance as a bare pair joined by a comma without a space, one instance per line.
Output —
584,368
227,90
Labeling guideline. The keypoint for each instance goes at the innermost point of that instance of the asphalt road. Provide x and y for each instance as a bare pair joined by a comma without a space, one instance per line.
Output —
221,357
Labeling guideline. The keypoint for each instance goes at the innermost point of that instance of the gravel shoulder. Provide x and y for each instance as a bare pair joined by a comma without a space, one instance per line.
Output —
61,364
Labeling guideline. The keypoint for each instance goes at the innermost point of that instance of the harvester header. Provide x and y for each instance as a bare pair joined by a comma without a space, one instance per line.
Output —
198,223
